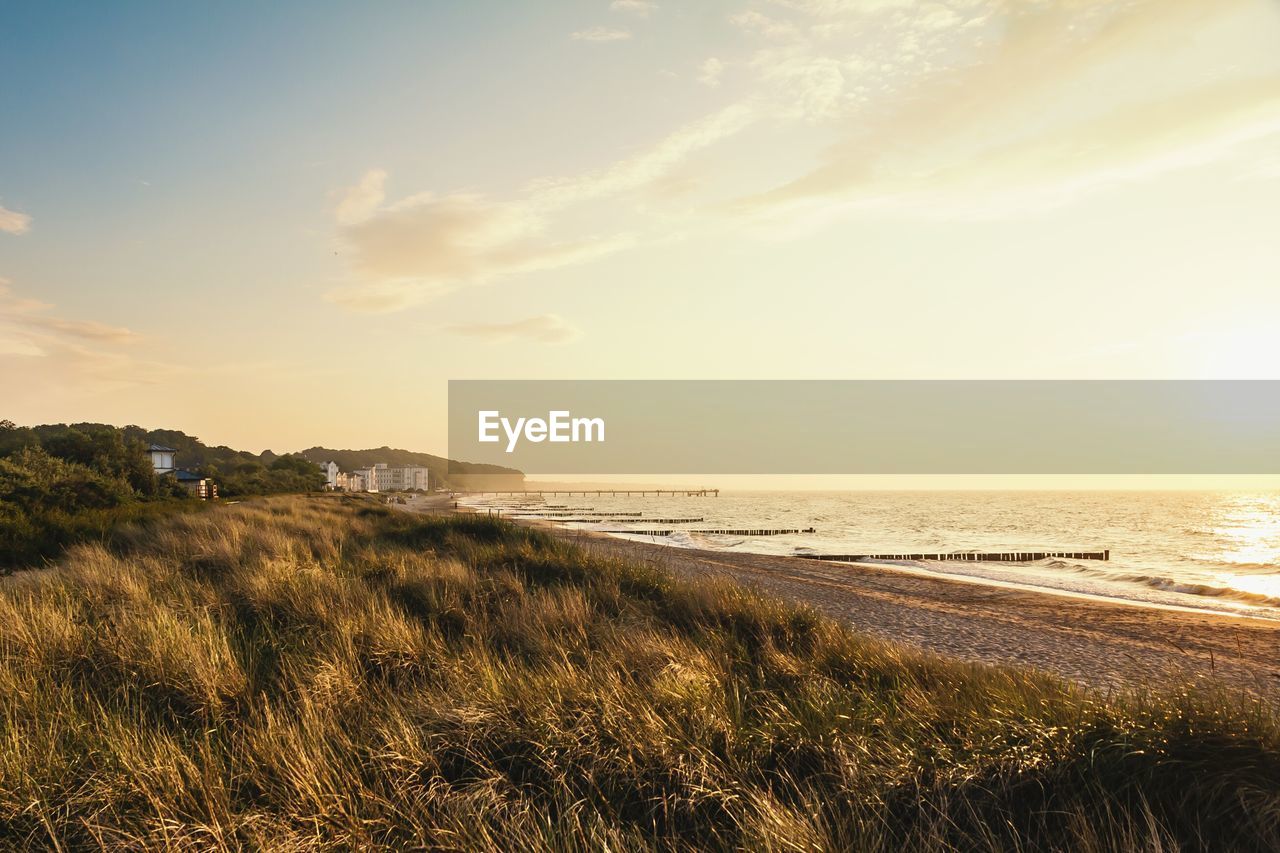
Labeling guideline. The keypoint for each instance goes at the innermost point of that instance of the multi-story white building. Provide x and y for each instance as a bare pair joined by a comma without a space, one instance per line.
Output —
402,478
330,471
351,481
367,478
385,478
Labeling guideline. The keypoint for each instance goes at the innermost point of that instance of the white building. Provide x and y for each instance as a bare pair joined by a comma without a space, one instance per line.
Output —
351,481
383,478
330,471
164,461
395,478
367,479
162,458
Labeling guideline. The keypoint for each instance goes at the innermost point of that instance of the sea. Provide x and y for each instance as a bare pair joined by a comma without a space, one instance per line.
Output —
1215,551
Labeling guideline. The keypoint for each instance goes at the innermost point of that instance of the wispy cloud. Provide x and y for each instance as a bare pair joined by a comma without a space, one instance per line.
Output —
13,222
710,71
359,202
761,24
1000,107
425,245
967,109
641,8
600,34
640,170
39,348
544,328
27,323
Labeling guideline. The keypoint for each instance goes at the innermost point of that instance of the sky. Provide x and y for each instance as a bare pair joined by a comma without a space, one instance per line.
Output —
285,225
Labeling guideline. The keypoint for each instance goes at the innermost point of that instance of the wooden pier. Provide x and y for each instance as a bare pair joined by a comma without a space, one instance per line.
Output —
613,493
968,556
750,531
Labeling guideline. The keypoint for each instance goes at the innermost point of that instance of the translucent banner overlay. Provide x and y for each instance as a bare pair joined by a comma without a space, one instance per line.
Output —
867,427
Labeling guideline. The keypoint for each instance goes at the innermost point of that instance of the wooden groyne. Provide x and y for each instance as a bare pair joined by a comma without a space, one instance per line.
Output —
750,531
633,521
568,493
967,556
527,513
598,520
500,512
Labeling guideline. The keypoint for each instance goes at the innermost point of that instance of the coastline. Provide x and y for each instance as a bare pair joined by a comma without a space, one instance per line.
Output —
1091,641
1096,642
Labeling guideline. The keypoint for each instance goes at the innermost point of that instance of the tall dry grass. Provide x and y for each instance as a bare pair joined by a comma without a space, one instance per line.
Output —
303,673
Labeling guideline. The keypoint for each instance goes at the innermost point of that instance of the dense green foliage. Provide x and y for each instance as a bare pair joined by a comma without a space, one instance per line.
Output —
66,486
61,483
327,673
284,474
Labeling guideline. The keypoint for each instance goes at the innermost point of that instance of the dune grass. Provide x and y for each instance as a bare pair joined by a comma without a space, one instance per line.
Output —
300,673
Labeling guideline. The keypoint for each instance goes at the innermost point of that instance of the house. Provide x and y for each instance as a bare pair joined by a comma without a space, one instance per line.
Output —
162,458
351,481
330,471
200,487
164,461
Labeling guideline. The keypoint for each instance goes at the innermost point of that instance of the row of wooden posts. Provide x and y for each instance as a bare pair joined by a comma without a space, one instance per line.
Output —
936,556
568,493
969,556
749,531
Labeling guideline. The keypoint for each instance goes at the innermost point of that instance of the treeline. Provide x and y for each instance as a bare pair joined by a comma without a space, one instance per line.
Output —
64,483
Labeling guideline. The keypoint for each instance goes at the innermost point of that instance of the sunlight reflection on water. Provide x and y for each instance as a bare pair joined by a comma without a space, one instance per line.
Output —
1216,550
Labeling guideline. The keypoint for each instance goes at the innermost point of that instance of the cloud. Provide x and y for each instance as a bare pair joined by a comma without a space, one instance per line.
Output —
1046,102
644,168
425,246
41,350
963,109
761,24
640,8
544,328
13,222
359,202
405,252
709,72
85,330
600,34
29,322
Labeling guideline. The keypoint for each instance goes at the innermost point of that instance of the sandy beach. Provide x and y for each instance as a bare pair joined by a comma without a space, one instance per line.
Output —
1099,643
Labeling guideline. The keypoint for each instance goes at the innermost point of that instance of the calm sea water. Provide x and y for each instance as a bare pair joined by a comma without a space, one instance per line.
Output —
1209,550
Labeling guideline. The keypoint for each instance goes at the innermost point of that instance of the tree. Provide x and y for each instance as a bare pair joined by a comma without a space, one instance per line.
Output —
13,437
35,481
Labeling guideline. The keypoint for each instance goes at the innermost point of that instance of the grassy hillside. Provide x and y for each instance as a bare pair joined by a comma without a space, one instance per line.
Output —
61,484
325,672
